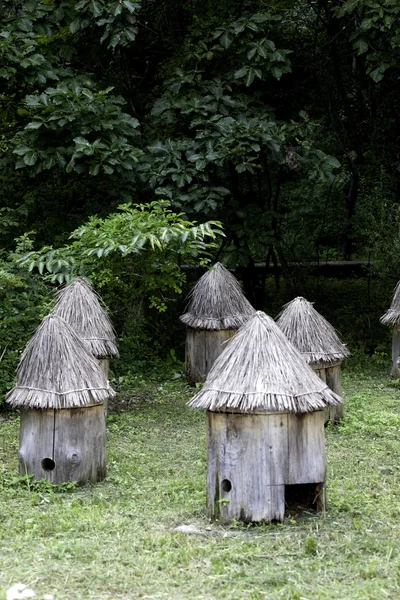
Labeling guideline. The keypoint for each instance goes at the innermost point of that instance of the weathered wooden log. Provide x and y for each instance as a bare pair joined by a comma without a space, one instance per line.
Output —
105,365
63,445
395,372
330,373
334,382
252,457
307,458
319,369
202,348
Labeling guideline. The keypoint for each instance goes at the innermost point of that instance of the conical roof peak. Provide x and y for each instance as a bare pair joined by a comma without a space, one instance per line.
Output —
217,302
57,370
82,308
259,369
310,332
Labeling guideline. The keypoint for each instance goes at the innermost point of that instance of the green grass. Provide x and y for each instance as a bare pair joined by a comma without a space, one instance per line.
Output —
116,539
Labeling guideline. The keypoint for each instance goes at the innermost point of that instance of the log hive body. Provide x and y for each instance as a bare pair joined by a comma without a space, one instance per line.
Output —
216,310
63,445
395,372
202,349
266,436
319,344
253,457
330,373
105,365
392,319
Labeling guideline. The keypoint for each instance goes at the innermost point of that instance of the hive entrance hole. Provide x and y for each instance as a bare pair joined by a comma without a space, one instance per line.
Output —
48,464
304,496
226,485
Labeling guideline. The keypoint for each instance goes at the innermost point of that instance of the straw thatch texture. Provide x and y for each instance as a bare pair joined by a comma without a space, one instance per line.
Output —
57,371
310,333
81,307
261,369
217,302
392,315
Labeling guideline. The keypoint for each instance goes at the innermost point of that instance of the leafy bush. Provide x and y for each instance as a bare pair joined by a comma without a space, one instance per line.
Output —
24,300
133,259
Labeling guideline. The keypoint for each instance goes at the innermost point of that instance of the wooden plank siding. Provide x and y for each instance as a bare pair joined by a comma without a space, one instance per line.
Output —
331,374
63,445
251,457
202,349
395,372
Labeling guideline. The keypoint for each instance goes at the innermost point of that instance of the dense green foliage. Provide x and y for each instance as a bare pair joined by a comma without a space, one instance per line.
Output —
282,118
148,239
24,300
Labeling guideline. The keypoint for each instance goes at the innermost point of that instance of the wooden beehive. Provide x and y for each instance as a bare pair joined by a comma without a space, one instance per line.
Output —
319,344
265,442
331,374
82,308
202,348
60,392
63,445
216,310
392,318
254,458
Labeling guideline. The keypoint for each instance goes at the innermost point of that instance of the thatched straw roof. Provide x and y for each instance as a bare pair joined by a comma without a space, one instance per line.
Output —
57,370
392,316
260,369
81,307
217,302
310,333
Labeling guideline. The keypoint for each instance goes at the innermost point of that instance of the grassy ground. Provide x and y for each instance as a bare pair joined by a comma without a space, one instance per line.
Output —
117,540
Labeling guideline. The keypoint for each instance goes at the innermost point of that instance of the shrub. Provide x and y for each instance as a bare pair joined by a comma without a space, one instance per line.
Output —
24,300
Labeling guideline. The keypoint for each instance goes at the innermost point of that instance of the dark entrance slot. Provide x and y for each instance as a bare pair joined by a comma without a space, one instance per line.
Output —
304,496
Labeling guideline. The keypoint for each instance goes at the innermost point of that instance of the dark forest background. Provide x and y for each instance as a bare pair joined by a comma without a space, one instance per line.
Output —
279,120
